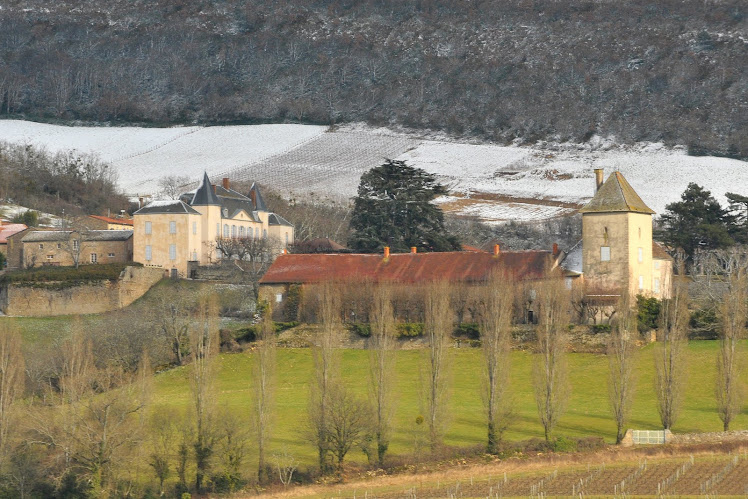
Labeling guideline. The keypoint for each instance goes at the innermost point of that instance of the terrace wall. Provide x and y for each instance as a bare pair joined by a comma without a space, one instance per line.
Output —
47,299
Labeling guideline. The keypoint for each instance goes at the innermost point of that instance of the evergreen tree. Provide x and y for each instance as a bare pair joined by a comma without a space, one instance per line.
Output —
393,208
738,205
697,221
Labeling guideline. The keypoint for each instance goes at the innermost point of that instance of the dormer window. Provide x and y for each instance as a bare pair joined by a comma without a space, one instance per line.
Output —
225,213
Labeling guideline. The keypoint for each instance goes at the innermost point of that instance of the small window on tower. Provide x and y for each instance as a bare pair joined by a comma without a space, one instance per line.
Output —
641,254
604,253
641,282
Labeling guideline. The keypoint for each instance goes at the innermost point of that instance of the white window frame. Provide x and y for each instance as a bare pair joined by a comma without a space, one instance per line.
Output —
172,252
641,254
41,245
278,297
172,227
111,255
148,253
604,253
641,282
225,231
233,231
148,228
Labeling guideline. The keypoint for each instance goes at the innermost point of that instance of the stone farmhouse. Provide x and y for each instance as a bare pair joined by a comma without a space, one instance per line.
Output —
171,234
100,222
64,247
6,231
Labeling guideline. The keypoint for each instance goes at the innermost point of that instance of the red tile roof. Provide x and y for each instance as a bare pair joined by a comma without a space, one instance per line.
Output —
8,230
405,267
109,220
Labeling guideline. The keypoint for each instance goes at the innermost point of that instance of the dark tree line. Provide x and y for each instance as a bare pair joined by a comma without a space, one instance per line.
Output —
498,70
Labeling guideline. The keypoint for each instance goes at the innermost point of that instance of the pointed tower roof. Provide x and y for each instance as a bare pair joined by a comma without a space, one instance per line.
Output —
256,197
204,195
616,195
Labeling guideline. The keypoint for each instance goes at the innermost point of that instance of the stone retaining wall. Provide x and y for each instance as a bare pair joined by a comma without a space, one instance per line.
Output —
92,298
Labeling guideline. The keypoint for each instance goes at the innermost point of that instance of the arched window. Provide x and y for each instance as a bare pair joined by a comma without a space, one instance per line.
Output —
233,231
241,232
225,230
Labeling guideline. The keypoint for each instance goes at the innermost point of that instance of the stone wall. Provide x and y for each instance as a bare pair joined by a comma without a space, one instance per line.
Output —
92,298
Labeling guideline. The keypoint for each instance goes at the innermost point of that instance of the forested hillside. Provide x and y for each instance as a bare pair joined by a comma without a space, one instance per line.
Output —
671,70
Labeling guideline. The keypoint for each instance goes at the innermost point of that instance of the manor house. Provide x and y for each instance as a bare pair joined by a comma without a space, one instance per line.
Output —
171,233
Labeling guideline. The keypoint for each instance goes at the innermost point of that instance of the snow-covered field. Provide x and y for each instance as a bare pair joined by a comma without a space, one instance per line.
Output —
496,183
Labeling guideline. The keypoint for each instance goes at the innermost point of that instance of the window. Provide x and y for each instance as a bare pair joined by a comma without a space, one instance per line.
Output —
41,246
218,230
172,252
194,256
194,227
75,244
111,255
148,253
641,255
59,245
640,232
657,265
657,285
172,227
225,230
641,282
148,227
241,232
94,258
264,233
605,253
278,298
50,257
233,231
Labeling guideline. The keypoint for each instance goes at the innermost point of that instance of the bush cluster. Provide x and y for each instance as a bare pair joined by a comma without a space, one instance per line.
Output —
65,276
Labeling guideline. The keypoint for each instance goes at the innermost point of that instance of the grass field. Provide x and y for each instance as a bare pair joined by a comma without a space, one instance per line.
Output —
587,413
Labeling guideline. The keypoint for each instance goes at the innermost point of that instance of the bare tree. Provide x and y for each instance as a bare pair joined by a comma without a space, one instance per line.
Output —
204,341
325,371
438,330
730,390
382,365
77,241
171,186
621,362
347,422
286,465
171,315
669,355
495,312
11,379
264,388
550,377
233,446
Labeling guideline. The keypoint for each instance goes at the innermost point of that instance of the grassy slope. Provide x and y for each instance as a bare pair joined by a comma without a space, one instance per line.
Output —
587,413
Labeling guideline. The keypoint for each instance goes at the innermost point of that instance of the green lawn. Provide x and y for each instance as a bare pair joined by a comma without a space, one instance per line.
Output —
587,413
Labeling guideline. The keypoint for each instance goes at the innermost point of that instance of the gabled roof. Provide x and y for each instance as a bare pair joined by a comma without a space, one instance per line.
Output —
256,197
110,220
408,268
659,253
89,235
616,195
274,219
573,260
204,195
169,206
8,230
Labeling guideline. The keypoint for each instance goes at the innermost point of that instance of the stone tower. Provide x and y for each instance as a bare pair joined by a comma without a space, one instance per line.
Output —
617,240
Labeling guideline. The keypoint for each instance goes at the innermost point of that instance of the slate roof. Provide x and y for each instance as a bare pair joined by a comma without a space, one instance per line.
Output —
616,195
659,253
204,195
64,235
274,219
256,197
319,245
8,230
573,260
110,220
411,268
170,206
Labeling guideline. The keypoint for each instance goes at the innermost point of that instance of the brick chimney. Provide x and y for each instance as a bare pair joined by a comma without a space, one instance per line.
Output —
386,252
496,250
598,179
413,249
214,188
555,249
226,183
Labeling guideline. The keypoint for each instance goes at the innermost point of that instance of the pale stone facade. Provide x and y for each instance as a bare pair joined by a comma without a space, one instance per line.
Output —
170,234
61,248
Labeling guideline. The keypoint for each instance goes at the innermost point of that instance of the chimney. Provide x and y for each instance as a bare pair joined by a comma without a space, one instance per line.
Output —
214,188
555,249
226,183
285,251
253,197
598,179
413,249
140,202
386,252
496,250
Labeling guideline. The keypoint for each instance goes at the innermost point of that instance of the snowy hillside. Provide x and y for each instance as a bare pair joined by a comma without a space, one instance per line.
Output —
495,183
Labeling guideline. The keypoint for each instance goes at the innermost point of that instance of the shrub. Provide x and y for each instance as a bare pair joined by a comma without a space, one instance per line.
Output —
360,328
409,329
564,444
600,328
469,330
63,277
29,217
704,324
648,313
